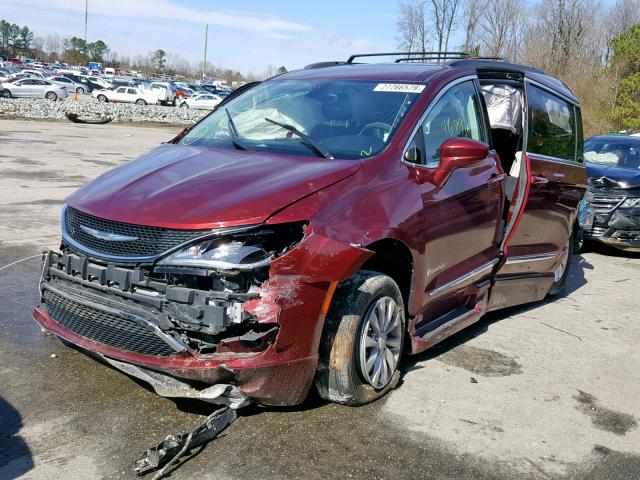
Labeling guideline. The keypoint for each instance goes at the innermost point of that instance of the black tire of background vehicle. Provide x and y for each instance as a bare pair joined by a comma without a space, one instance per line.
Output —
140,101
558,286
184,105
337,377
5,94
102,99
51,96
79,90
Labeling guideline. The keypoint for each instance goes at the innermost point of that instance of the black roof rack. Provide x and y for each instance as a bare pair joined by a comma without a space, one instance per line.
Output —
417,55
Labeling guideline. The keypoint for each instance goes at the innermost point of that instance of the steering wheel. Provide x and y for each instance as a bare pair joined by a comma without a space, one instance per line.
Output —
384,127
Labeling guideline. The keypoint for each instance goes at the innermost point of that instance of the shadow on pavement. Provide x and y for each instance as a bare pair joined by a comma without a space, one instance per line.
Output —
575,280
15,455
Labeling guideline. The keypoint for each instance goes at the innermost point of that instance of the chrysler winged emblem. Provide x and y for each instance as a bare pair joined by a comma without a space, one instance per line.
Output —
110,237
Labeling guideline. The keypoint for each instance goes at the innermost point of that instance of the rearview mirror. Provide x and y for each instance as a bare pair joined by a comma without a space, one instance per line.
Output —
458,153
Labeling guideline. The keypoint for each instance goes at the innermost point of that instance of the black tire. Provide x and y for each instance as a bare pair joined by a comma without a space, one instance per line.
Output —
184,105
5,94
559,285
140,101
51,96
339,377
79,90
102,99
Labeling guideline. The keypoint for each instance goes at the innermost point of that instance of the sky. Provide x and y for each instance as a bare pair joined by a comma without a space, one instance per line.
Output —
246,35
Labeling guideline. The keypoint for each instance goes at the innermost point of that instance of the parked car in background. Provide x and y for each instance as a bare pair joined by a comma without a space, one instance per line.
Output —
321,225
127,95
109,72
166,92
201,101
33,87
87,82
70,84
33,73
182,93
613,195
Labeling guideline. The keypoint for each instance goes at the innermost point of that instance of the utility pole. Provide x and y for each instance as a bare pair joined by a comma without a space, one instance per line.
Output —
206,38
86,18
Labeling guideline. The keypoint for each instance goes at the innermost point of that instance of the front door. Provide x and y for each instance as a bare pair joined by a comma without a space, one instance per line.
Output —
462,215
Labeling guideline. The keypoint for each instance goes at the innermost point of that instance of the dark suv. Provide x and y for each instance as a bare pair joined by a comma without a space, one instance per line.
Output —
613,195
320,224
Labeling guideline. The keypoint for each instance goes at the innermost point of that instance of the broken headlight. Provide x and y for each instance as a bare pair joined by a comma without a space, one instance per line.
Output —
241,251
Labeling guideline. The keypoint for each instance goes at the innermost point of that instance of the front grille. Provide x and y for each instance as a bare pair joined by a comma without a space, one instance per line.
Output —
105,327
598,231
605,203
150,241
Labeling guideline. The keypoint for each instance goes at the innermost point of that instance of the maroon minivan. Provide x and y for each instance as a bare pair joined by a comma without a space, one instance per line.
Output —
321,224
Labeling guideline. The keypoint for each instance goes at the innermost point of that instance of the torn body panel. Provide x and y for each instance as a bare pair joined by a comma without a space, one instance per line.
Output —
262,338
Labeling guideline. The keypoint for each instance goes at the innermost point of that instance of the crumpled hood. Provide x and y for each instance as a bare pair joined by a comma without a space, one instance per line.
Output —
611,176
188,187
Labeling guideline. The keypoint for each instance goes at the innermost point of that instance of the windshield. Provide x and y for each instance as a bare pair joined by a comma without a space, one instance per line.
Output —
623,153
348,119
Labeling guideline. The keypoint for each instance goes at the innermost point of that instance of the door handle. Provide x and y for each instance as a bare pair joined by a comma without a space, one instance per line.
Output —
495,178
539,180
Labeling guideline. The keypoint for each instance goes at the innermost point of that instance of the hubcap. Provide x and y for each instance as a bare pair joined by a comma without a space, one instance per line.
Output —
380,342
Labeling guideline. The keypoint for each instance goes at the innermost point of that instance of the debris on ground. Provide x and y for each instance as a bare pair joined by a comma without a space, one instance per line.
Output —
75,118
169,451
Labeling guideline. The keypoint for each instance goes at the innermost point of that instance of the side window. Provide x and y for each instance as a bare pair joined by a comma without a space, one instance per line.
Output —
552,125
458,113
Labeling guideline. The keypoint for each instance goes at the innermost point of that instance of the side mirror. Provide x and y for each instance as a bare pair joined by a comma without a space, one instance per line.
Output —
458,153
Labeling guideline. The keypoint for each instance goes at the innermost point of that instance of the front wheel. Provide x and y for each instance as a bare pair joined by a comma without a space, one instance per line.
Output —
51,96
184,105
79,90
5,94
102,99
362,340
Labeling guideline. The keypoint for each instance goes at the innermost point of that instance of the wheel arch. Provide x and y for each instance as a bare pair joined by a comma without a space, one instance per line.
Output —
393,257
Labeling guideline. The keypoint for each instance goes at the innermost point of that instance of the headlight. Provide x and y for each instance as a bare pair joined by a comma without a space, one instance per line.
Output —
585,214
247,250
631,202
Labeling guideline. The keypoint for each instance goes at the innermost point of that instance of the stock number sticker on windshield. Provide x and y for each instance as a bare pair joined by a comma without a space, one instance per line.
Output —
399,87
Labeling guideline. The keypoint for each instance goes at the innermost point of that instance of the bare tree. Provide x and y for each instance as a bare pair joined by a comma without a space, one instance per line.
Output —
445,13
473,11
411,26
565,36
501,28
53,45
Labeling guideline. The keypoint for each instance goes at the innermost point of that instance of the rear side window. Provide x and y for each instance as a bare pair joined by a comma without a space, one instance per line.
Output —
552,125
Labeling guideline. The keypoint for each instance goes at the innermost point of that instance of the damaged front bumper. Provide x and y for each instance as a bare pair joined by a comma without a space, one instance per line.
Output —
606,218
261,343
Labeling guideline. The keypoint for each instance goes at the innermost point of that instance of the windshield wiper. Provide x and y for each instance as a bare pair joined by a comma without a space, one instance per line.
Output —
314,144
233,131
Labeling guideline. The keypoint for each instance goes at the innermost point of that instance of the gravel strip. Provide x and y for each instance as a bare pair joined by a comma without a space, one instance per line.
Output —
88,107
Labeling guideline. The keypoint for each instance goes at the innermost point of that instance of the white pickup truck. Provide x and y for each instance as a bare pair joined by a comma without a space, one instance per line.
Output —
128,95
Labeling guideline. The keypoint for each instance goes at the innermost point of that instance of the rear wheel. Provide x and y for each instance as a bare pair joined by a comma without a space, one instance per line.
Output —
562,269
140,101
102,98
362,340
184,105
51,96
80,90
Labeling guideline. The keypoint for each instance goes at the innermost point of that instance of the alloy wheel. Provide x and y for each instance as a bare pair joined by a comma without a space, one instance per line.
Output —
380,342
